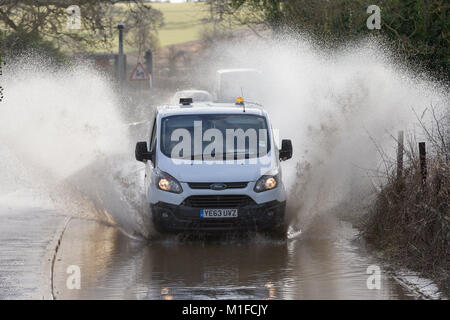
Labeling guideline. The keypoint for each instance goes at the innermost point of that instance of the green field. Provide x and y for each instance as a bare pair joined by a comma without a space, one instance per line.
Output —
183,21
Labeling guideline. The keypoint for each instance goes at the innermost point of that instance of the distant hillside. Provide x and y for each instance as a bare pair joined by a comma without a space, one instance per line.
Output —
183,21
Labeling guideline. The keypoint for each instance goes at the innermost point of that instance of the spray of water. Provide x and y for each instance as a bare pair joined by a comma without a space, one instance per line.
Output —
340,108
62,134
63,131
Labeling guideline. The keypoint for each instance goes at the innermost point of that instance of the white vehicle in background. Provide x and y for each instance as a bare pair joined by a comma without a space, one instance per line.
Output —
196,95
232,83
233,186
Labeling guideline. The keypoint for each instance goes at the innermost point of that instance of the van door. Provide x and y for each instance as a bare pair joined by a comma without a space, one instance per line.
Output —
149,166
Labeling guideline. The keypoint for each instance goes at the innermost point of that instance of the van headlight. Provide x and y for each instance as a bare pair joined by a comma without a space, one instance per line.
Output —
267,182
166,182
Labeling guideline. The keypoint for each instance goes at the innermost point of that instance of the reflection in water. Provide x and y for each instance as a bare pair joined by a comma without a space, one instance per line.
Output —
311,267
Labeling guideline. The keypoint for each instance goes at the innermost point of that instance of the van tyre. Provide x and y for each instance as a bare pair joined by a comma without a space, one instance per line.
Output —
279,232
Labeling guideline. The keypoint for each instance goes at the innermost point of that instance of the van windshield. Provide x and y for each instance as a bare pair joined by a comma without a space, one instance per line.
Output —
214,136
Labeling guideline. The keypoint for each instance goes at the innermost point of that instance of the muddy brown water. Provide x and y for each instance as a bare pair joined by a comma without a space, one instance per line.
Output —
321,264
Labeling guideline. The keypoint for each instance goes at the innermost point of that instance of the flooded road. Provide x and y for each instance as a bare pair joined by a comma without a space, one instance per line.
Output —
25,233
327,263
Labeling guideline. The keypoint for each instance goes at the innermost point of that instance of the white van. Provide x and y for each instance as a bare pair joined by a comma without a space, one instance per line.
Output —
236,82
196,182
196,95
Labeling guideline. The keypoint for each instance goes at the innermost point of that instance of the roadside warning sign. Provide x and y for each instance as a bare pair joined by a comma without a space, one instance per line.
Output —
139,73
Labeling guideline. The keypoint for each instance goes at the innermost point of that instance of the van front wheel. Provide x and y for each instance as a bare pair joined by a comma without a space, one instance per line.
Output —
279,232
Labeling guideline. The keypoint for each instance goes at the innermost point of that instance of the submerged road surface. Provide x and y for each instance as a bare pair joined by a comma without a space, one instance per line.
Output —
326,264
26,229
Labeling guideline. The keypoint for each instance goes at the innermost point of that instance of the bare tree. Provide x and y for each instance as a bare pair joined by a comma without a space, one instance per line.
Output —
98,17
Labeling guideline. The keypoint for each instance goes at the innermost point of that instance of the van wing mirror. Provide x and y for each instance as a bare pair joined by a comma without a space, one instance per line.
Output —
286,149
141,152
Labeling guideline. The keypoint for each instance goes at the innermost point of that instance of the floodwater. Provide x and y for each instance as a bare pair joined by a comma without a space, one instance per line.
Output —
25,232
326,263
333,107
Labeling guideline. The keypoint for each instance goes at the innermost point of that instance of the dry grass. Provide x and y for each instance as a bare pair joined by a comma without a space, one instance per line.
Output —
410,219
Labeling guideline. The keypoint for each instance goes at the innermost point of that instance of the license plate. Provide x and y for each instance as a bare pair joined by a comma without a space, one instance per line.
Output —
218,213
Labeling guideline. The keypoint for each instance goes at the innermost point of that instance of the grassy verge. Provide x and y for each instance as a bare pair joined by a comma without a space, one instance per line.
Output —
409,222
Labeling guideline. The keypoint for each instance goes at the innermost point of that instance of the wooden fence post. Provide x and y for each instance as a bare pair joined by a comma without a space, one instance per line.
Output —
423,162
400,155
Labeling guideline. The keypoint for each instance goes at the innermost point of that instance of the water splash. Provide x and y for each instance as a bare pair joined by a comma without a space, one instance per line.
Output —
340,107
66,138
64,131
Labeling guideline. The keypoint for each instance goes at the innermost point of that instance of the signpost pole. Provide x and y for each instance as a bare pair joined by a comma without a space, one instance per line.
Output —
149,65
121,62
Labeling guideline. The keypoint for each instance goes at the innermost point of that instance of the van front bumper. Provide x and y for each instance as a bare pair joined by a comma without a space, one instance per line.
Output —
169,218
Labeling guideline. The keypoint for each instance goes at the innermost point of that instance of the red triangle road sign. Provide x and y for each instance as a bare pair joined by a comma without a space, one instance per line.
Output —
139,73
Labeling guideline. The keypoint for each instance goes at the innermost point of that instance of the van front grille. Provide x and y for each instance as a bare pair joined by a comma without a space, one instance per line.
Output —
227,185
218,201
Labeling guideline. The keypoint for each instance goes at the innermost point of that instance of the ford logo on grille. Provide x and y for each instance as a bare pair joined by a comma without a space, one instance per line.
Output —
218,186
